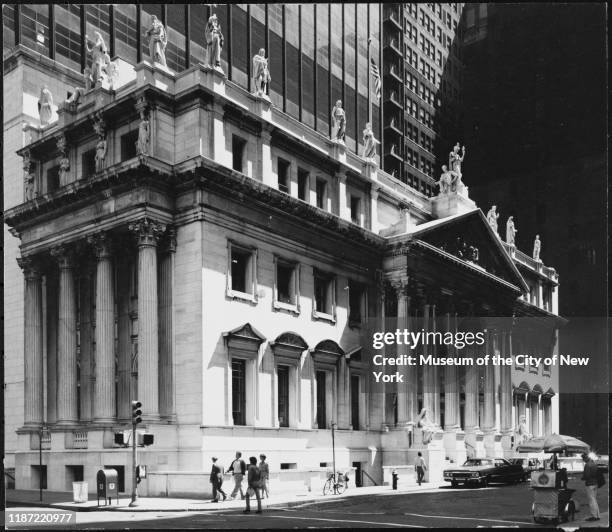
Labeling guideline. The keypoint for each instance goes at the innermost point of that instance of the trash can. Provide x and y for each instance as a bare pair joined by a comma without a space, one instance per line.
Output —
79,491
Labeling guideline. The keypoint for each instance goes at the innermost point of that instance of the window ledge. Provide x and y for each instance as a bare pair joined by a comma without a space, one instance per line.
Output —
323,316
293,309
243,296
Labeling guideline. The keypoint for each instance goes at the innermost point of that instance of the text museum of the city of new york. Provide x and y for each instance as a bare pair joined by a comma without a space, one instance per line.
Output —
185,243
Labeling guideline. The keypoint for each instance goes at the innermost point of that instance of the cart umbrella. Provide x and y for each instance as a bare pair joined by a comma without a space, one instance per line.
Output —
533,445
557,443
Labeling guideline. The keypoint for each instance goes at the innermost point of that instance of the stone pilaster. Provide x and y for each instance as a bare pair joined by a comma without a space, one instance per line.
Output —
406,390
33,343
489,385
52,322
506,424
86,337
66,339
147,233
124,337
104,390
166,325
428,384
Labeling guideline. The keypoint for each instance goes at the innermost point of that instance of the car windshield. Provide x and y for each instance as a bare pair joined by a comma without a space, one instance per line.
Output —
477,462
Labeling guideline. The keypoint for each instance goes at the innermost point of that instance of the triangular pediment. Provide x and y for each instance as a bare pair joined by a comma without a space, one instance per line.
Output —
246,332
469,238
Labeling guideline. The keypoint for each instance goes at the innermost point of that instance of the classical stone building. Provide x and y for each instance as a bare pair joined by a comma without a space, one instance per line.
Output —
224,264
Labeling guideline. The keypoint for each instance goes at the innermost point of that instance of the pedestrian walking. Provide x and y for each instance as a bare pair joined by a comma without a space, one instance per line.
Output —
216,479
254,485
265,476
590,476
420,467
238,469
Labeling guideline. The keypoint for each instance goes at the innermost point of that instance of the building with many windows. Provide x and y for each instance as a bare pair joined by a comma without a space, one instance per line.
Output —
187,243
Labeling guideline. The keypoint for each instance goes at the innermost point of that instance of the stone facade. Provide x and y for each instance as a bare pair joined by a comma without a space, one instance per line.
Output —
228,277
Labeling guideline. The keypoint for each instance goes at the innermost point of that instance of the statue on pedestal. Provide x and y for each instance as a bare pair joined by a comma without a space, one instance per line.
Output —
427,425
521,434
492,217
261,74
142,144
455,160
338,117
101,147
99,57
64,170
537,246
214,42
29,178
158,39
75,97
369,143
448,180
45,105
510,231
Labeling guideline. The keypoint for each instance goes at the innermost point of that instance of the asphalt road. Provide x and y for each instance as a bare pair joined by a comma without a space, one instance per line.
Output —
502,506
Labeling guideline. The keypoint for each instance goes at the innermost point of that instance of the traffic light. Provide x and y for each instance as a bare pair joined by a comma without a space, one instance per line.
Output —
136,412
144,438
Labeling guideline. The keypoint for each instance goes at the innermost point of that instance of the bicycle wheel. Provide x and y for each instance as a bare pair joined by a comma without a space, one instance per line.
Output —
340,488
328,487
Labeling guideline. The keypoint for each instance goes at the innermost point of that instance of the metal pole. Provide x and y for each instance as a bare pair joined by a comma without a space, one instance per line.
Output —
40,469
334,455
370,94
134,491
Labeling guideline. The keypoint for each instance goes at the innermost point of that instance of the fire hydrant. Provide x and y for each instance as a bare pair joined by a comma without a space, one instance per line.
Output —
394,477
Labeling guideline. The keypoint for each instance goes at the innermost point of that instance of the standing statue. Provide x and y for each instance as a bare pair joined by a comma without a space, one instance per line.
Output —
214,42
29,178
142,144
510,231
448,180
338,117
521,434
64,170
101,147
492,217
427,425
261,74
158,39
45,105
537,246
369,142
455,160
99,57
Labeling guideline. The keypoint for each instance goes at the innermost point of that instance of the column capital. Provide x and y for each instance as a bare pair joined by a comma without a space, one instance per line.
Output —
31,266
401,287
64,256
102,244
169,240
147,231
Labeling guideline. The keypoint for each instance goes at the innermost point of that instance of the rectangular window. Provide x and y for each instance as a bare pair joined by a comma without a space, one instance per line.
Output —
323,293
283,175
53,179
238,149
128,145
241,270
321,403
286,282
303,188
88,163
321,189
355,401
355,303
356,210
283,395
238,391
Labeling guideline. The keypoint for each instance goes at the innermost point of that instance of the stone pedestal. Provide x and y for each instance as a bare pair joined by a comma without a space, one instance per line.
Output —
432,452
215,79
262,107
402,226
444,205
454,445
338,151
492,444
369,170
474,443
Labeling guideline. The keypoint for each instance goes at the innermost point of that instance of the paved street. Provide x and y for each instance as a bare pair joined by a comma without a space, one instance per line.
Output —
494,506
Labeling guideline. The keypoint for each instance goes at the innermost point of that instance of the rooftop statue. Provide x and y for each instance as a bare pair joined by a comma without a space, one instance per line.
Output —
537,246
99,57
158,39
369,143
338,122
75,97
45,105
214,42
261,73
510,231
448,180
492,217
455,160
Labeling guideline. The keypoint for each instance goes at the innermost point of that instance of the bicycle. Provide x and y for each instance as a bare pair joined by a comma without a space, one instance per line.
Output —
336,488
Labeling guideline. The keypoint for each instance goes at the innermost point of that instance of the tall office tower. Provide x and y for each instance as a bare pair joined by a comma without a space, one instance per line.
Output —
535,105
422,66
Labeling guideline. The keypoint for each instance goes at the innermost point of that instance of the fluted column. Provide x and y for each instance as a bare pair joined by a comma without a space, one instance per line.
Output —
33,343
147,233
166,330
66,339
52,308
86,337
489,385
124,337
471,396
406,395
104,390
428,384
451,386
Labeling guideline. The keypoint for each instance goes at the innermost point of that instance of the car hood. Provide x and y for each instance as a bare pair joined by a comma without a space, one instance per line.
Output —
469,468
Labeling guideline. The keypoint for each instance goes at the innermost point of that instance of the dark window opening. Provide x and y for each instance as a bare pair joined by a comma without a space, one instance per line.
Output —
283,396
88,163
238,392
355,299
302,184
39,477
284,283
238,146
356,210
53,182
321,405
288,465
128,145
241,260
283,175
322,293
321,189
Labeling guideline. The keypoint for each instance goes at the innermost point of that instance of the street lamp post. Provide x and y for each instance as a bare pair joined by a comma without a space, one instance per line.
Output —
333,426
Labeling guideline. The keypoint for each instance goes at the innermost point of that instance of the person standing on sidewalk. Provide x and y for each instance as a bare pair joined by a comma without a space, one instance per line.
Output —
420,467
216,479
238,469
590,480
265,475
254,485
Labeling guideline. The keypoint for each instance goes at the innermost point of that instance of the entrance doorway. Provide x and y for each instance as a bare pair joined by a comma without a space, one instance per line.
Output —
358,474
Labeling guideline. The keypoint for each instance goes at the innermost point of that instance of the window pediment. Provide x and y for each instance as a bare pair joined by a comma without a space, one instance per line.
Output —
327,352
244,340
289,346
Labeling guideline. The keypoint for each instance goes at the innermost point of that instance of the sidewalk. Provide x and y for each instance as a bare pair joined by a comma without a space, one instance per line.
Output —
63,500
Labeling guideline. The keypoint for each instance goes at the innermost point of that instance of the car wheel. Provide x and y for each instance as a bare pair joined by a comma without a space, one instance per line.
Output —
484,482
570,511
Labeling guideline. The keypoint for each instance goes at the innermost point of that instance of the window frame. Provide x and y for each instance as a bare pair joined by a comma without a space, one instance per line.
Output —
236,294
363,306
243,160
331,295
281,305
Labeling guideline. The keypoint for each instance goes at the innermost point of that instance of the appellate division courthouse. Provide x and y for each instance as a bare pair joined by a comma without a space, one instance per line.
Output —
182,241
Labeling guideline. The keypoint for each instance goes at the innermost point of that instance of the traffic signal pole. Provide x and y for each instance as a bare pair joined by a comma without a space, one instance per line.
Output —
134,501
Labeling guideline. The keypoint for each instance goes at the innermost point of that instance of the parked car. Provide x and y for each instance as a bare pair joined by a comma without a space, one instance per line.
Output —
481,471
528,465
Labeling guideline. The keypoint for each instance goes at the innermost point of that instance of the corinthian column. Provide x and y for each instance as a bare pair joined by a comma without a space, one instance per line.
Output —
406,390
66,339
104,390
147,234
124,337
33,343
489,385
166,330
86,345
